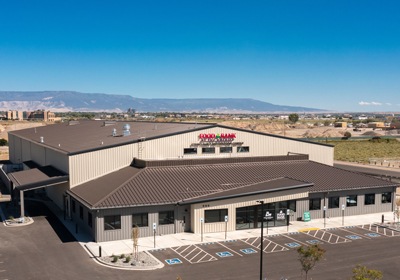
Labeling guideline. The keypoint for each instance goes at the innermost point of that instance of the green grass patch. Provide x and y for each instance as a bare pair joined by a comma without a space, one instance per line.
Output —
361,151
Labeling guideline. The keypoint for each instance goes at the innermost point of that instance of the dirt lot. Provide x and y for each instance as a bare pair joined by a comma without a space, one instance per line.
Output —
6,126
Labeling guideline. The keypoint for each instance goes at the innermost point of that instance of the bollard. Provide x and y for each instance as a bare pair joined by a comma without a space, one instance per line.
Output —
76,227
383,219
99,251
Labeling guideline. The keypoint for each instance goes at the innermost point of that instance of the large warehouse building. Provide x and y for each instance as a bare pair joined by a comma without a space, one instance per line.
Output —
111,176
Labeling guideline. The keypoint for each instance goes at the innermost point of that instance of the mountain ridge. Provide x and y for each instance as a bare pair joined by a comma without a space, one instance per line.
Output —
59,101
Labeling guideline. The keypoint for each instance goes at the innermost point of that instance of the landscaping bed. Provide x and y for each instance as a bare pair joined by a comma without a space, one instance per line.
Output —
127,260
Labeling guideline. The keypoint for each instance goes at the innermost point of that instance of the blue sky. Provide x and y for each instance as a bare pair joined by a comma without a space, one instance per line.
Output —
337,55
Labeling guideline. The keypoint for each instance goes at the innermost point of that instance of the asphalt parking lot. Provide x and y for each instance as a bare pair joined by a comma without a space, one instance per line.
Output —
46,250
226,251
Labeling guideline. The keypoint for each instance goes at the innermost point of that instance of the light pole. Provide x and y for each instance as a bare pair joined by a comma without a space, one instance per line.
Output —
262,237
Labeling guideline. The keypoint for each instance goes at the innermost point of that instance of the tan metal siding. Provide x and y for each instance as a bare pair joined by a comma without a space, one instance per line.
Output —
38,154
26,150
232,204
11,148
360,209
260,145
126,222
56,193
57,160
88,166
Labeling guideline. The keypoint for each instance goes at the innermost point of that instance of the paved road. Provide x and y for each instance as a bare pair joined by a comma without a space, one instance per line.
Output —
45,250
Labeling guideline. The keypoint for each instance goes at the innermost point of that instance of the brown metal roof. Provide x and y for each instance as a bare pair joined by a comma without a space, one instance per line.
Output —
85,135
93,135
37,177
174,184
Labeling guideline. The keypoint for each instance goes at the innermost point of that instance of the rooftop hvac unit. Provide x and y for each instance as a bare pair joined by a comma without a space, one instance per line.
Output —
126,128
114,132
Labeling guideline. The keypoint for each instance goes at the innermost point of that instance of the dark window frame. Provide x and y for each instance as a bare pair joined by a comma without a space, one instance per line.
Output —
81,212
238,150
186,151
170,218
369,201
211,148
330,202
384,200
142,224
221,215
90,219
349,197
117,226
229,148
73,206
313,204
291,203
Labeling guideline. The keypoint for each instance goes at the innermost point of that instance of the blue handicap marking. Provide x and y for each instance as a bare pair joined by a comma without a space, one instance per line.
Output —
248,251
314,242
353,237
224,254
173,261
372,234
292,245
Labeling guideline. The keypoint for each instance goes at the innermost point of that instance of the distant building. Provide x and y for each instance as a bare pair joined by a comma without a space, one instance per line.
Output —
46,116
376,125
15,115
340,124
131,111
362,117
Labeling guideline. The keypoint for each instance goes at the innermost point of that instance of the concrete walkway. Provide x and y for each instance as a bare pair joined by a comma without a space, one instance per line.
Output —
180,239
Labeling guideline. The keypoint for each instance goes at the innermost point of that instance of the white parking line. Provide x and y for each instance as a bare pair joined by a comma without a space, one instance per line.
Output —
354,233
362,226
229,249
294,239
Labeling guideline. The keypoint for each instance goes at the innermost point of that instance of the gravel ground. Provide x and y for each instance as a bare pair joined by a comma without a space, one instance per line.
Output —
145,260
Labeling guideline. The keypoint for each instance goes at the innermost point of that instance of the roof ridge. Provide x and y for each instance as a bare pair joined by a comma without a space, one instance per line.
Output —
118,188
239,187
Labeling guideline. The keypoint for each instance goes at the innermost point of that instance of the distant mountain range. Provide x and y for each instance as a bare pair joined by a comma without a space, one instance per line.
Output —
61,101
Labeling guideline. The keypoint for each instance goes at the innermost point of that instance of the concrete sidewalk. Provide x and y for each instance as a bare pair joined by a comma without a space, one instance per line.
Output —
180,239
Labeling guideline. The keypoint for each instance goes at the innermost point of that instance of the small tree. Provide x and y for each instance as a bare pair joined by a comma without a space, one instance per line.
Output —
135,239
347,134
3,142
293,118
362,273
308,258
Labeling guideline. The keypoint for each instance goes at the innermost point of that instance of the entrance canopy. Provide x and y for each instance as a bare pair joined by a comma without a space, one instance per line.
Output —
37,177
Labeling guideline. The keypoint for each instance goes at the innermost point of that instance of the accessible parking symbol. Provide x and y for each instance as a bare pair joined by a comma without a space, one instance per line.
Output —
314,242
292,245
372,234
173,261
224,254
248,251
353,237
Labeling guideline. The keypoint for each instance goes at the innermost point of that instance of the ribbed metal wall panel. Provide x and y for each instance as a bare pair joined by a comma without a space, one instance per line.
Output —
91,165
260,145
232,204
303,204
83,223
38,154
26,150
126,222
57,160
56,193
16,149
11,148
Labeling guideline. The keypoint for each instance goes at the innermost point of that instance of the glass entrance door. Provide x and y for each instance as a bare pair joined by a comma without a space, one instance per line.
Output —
245,217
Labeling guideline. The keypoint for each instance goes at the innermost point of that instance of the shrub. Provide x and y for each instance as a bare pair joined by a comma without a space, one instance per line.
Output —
122,256
11,218
115,259
128,259
347,134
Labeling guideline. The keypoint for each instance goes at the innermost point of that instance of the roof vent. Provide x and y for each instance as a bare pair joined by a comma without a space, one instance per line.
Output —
114,132
41,139
73,122
126,128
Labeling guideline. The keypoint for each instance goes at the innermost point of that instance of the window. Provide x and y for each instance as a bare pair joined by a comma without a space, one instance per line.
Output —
292,205
315,204
81,212
208,150
141,220
73,206
224,150
190,151
387,197
215,216
369,199
166,218
112,222
243,149
89,219
351,200
334,202
282,204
